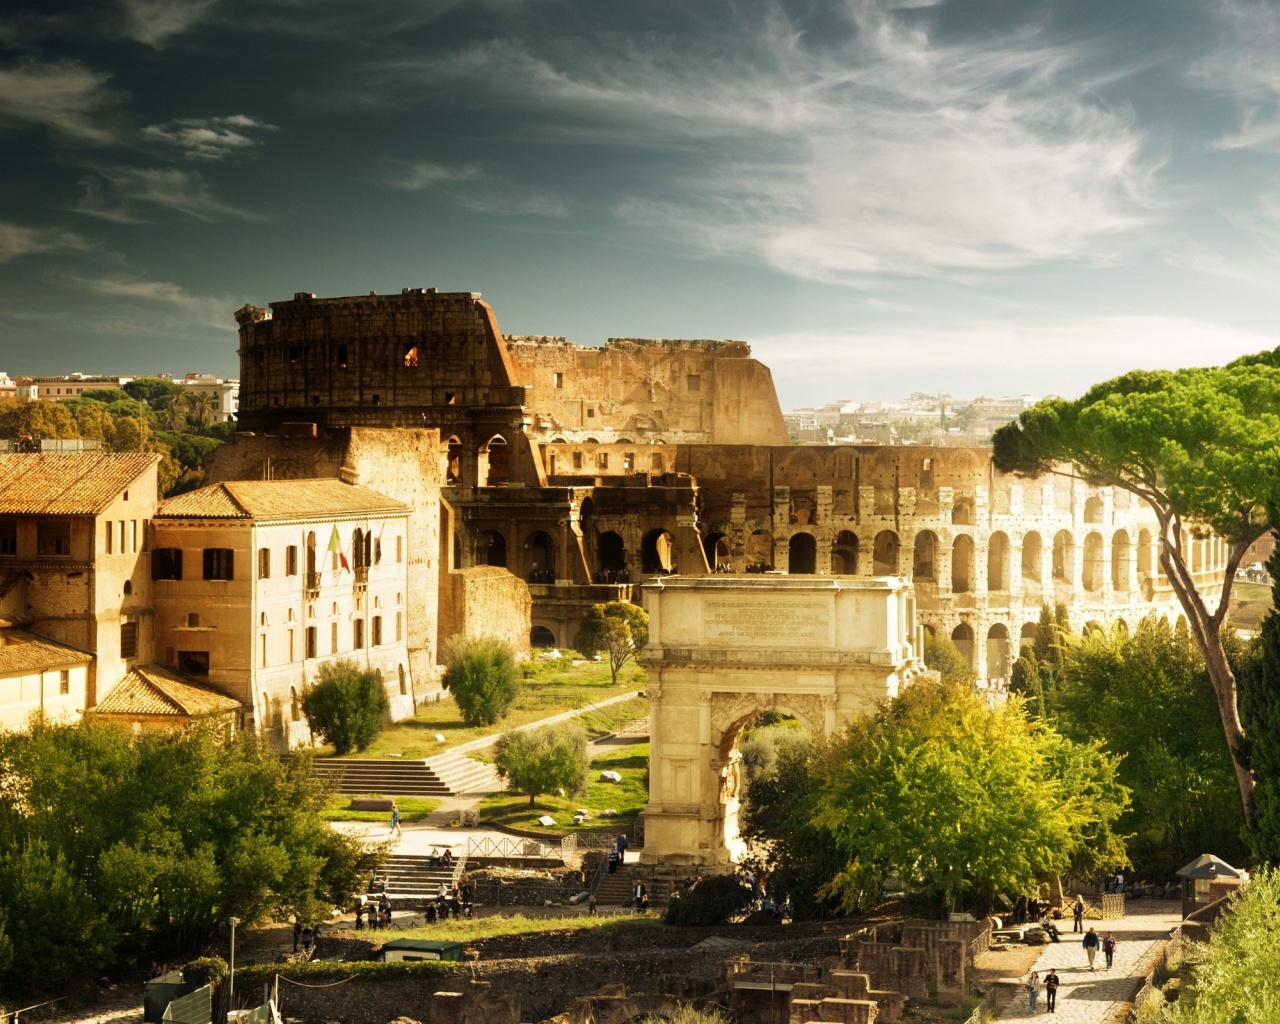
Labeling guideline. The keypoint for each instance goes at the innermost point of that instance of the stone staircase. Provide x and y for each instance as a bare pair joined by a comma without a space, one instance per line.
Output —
615,889
412,878
450,774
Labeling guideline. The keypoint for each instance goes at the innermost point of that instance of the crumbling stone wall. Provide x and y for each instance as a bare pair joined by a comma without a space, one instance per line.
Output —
484,600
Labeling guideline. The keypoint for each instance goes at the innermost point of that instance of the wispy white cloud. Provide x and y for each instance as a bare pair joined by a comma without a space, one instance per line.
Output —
170,299
1245,65
155,22
891,153
27,240
476,190
65,96
129,195
209,138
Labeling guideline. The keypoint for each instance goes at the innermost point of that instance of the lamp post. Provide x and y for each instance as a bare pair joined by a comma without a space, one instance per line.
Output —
231,984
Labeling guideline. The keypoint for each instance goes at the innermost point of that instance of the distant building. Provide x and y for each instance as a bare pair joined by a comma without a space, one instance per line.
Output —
62,389
256,584
152,697
39,676
225,394
73,554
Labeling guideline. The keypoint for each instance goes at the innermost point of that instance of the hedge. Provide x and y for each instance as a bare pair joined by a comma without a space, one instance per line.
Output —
335,970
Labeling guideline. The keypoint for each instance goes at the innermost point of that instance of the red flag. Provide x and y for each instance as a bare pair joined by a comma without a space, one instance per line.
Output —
343,559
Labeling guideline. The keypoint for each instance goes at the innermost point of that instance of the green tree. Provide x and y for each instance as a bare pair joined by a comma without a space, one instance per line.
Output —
116,848
39,420
960,800
1199,446
483,677
347,706
617,628
157,392
1144,695
94,421
1260,708
944,656
537,761
132,434
1036,673
1235,977
100,395
199,407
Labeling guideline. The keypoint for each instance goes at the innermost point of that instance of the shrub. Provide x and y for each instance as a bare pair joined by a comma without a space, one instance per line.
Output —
711,902
347,706
205,970
536,761
616,628
483,677
371,970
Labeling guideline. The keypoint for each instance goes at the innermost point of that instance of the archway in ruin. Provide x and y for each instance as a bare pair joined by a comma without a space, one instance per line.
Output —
725,648
1032,557
802,555
494,462
924,559
611,552
759,550
962,564
491,549
655,551
844,554
998,652
716,546
540,557
885,553
962,637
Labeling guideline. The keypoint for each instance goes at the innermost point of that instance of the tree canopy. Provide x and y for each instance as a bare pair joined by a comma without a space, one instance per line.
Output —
483,677
537,761
618,629
347,706
960,800
1200,447
120,849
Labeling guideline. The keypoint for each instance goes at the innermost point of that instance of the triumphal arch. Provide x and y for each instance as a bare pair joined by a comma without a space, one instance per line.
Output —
724,648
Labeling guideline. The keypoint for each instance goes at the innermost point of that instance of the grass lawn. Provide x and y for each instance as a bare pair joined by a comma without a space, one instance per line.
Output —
548,688
412,808
627,797
494,925
1249,602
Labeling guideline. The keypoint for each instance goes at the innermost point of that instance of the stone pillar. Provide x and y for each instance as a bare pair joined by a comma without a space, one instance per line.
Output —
704,717
828,713
981,552
654,694
1107,585
942,564
1046,567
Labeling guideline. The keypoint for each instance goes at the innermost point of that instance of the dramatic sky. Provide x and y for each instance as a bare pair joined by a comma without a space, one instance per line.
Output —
999,196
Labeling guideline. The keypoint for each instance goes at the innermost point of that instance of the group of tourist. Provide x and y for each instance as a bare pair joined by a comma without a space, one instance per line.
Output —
541,576
1091,943
451,902
441,858
613,576
379,913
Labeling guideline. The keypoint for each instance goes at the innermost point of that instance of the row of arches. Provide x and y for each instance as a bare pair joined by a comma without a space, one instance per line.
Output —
493,462
999,653
539,555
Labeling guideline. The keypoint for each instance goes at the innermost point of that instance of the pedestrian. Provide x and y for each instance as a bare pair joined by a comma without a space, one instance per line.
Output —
640,892
614,857
360,917
591,905
1077,913
297,933
1051,990
431,913
1090,946
1109,948
307,934
1033,990
395,819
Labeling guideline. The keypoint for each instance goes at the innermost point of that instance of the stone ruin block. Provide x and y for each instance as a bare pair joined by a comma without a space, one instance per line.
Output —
848,1011
875,958
447,1007
805,1010
952,954
908,972
808,990
850,984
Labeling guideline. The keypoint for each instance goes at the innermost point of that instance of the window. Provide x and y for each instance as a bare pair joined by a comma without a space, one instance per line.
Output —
629,461
291,560
291,652
333,638
219,564
591,414
375,631
262,650
133,531
557,380
342,357
399,626
399,548
311,641
193,620
8,538
604,460
194,663
377,550
64,682
122,547
694,382
577,460
109,535
357,634
53,538
128,639
334,561
264,563
262,619
146,523
166,564
411,356
128,588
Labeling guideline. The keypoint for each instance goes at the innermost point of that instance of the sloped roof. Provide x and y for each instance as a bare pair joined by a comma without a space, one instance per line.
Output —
22,652
267,500
1209,866
155,690
67,483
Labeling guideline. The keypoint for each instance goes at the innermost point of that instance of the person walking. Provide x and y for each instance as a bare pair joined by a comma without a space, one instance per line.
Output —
1109,948
591,905
1051,990
1033,990
297,933
1077,913
1090,946
614,857
395,819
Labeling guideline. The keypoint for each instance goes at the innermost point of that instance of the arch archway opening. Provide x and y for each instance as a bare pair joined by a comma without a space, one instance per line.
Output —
491,549
885,553
1093,510
656,553
453,461
999,576
1029,635
1091,575
998,653
962,558
611,558
716,547
1032,557
1064,557
496,459
962,637
802,555
540,557
844,554
1121,561
759,551
541,637
962,512
924,558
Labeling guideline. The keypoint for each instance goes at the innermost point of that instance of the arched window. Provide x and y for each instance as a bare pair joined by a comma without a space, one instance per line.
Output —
759,551
611,556
998,562
1121,563
1092,574
540,557
492,549
885,552
656,551
924,559
802,554
998,652
962,637
844,554
497,461
541,636
1064,557
962,564
1032,557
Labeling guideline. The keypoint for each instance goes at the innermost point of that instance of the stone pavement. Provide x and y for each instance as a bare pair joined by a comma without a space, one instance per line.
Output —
1097,997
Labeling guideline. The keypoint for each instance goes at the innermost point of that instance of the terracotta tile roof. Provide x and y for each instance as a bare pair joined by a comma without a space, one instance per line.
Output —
22,652
67,483
155,690
266,500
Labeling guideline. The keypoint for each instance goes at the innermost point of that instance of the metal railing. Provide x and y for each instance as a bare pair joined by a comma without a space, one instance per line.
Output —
513,847
598,877
983,1008
311,583
6,1016
459,868
1159,973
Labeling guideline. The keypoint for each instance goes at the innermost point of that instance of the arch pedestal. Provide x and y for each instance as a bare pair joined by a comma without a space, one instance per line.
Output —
721,650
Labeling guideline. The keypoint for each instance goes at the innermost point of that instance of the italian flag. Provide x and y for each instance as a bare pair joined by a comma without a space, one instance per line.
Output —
335,544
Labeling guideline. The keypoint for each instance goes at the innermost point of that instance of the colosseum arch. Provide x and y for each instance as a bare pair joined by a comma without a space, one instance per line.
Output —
1120,561
540,551
962,562
885,553
962,512
716,546
998,651
962,637
1032,557
656,550
491,549
999,574
759,550
844,554
924,559
452,468
1064,557
494,462
611,552
1093,508
802,554
724,648
1092,573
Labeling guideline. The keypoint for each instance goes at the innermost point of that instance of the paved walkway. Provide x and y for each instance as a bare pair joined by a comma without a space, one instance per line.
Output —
1096,997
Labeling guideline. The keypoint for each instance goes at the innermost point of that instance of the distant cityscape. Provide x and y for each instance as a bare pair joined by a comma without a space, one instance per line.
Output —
921,418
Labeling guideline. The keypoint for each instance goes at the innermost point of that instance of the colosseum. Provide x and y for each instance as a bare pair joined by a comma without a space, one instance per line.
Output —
585,471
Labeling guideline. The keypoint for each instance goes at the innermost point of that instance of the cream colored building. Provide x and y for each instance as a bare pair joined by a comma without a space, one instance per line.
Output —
40,677
259,583
74,565
724,648
225,394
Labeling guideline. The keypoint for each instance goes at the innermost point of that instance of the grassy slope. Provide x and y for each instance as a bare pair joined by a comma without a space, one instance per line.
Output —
496,924
412,808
